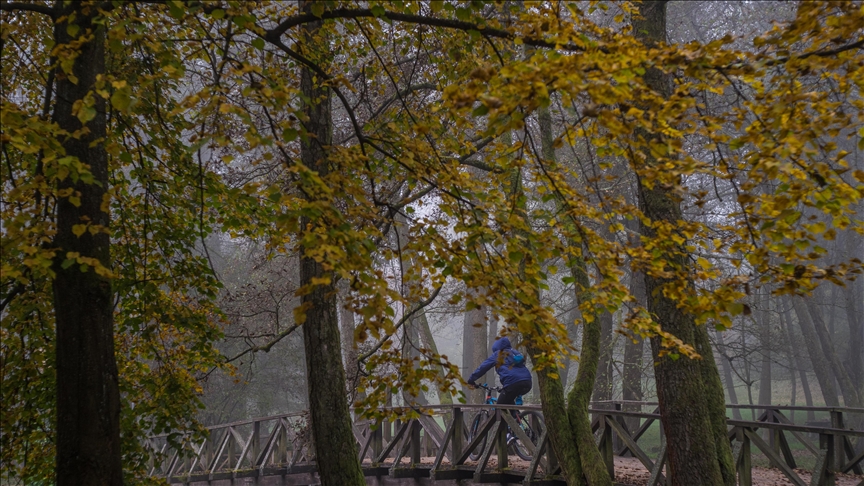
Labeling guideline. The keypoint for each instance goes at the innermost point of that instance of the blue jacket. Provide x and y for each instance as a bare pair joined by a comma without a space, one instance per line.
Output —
510,370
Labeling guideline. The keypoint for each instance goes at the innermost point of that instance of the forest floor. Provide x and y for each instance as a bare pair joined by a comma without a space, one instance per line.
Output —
630,472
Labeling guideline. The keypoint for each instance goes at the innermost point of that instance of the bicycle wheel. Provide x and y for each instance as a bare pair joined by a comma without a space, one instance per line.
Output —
527,423
478,422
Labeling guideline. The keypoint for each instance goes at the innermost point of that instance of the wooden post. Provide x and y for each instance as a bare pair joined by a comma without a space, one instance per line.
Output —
378,438
823,473
617,442
745,474
415,441
207,454
283,446
458,433
231,452
607,447
256,442
837,452
501,439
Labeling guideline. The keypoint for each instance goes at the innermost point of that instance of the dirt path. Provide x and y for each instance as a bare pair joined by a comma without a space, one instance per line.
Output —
630,472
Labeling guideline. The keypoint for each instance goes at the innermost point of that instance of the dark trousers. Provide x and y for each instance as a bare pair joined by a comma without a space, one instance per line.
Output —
509,393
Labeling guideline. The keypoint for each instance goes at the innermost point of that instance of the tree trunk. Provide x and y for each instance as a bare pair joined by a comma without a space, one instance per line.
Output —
475,348
716,404
592,463
561,436
634,349
573,335
429,343
349,347
795,360
766,341
603,384
685,387
726,364
820,364
336,454
587,464
88,396
849,390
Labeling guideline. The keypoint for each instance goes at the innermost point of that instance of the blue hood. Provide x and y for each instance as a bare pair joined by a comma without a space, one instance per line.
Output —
501,343
508,370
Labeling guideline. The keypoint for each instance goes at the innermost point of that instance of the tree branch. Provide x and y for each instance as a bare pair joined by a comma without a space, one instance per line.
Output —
265,347
409,315
29,7
348,13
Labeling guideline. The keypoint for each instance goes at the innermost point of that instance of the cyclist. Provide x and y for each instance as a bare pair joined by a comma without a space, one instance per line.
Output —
510,366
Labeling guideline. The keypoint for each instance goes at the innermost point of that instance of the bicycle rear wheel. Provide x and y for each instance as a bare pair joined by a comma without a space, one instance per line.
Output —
530,422
478,422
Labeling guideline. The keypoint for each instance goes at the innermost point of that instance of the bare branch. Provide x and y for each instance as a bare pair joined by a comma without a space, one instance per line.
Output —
265,347
408,315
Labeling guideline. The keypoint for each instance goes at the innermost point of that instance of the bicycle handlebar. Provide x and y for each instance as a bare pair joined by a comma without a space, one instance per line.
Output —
485,386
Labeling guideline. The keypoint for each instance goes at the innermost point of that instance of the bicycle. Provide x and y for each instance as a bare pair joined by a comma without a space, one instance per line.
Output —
513,442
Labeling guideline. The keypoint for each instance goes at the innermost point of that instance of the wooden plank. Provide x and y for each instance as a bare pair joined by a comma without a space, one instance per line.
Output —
773,457
490,445
542,445
223,444
809,445
657,471
481,433
392,444
785,449
442,448
517,430
632,446
820,469
853,463
850,453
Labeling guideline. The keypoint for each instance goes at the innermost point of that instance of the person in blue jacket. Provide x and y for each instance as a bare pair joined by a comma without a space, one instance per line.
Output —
510,366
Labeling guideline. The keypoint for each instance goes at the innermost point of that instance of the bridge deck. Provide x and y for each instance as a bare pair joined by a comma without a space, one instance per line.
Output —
434,448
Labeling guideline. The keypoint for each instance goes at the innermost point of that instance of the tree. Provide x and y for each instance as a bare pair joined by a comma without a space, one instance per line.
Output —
240,138
88,397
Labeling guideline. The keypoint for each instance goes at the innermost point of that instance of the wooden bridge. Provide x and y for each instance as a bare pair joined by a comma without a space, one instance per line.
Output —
435,448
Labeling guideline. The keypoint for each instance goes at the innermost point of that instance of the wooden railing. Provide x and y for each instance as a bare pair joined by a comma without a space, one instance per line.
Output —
436,444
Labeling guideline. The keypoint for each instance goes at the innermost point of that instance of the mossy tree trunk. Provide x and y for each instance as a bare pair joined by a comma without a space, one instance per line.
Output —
588,464
336,454
689,390
88,396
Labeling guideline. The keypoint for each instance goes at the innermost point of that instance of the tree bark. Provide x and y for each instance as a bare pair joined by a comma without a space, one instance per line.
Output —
474,349
685,387
849,390
584,459
88,397
727,375
795,361
603,384
349,347
634,349
429,343
336,454
820,364
765,369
